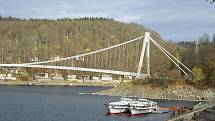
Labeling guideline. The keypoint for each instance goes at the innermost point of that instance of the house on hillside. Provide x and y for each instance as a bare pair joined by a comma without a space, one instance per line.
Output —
2,76
128,77
55,57
42,76
34,59
57,77
7,77
12,70
96,78
71,77
86,78
10,77
106,77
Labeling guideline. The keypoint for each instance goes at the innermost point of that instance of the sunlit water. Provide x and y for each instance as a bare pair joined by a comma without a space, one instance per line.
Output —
61,103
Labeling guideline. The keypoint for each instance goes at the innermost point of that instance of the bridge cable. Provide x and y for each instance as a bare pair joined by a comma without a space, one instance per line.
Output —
85,54
172,56
155,43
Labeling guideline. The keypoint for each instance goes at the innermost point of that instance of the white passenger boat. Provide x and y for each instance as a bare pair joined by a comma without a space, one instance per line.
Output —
133,106
117,107
142,106
121,106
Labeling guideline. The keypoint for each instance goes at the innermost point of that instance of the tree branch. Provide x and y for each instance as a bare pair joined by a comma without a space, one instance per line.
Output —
211,1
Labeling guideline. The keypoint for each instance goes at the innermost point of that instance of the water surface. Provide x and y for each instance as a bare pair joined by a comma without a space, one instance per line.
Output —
61,103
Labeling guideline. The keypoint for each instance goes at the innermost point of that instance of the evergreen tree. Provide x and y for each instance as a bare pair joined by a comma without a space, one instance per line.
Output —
211,73
205,38
213,40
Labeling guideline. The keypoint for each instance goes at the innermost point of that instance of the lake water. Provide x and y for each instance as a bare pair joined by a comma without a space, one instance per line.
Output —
61,103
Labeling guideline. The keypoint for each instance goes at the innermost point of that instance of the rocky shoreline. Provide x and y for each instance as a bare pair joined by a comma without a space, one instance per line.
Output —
173,92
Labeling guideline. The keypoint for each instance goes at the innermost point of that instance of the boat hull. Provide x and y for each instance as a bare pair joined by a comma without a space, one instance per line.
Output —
140,111
116,111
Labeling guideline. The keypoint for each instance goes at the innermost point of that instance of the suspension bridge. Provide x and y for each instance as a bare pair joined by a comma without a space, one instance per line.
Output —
126,58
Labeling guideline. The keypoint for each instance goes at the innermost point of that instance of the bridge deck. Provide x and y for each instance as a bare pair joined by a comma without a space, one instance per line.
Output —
74,68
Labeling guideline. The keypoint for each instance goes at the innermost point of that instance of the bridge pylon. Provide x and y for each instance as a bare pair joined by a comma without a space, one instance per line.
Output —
145,47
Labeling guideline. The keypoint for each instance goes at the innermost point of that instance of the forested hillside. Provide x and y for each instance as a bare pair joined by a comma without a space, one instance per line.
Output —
200,56
24,40
40,39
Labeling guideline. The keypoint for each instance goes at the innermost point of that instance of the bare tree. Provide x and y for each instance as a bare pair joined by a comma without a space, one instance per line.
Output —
211,1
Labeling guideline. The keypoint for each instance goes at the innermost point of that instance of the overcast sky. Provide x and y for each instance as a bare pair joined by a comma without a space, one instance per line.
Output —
173,19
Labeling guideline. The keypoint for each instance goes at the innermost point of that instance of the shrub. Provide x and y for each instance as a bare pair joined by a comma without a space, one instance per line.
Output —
155,81
142,81
197,76
23,77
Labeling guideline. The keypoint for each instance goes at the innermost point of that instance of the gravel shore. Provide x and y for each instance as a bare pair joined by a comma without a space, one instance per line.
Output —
171,92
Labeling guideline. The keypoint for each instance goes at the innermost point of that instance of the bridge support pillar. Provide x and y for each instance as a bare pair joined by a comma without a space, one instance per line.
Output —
146,46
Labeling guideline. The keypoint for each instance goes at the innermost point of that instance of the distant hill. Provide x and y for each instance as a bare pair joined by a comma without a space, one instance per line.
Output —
22,40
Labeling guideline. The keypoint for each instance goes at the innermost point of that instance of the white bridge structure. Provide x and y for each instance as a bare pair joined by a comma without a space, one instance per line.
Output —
126,58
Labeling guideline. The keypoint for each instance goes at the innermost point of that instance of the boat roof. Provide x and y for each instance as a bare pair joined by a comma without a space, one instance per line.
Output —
127,100
139,104
133,101
145,100
118,103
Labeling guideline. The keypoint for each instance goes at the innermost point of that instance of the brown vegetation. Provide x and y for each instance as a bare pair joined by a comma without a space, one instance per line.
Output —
40,39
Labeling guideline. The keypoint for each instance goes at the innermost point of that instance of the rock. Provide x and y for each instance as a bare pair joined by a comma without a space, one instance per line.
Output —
171,92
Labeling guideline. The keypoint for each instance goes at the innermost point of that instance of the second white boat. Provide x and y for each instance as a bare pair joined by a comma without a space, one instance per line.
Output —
142,106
